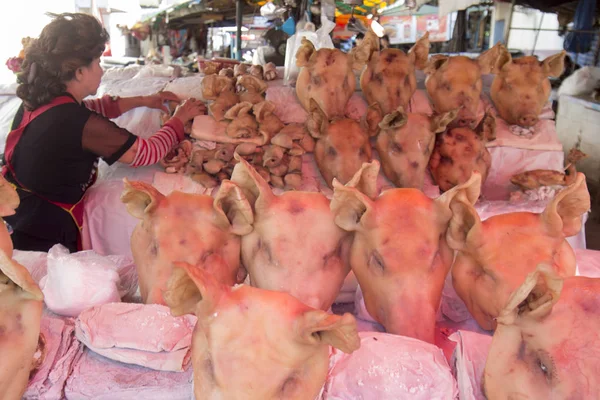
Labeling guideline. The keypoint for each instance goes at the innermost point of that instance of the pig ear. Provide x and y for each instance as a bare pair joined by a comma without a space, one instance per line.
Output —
486,129
349,206
534,298
233,208
20,276
318,327
372,118
365,179
454,207
187,286
140,198
305,53
562,215
503,60
554,66
9,198
361,54
317,122
256,190
435,63
439,122
420,51
488,60
394,120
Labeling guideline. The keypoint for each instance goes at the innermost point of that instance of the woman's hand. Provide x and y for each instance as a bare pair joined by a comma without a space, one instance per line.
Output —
159,99
190,108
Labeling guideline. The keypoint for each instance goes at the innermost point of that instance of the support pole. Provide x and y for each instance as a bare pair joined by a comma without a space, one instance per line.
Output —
509,23
537,34
238,21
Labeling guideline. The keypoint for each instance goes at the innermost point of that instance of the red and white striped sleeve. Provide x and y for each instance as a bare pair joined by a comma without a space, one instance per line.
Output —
106,106
152,150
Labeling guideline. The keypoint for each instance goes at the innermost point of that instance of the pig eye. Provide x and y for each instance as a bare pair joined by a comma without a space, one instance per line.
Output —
331,152
406,80
376,261
361,152
447,86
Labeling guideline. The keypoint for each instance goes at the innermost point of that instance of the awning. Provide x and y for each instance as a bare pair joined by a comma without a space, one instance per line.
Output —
448,6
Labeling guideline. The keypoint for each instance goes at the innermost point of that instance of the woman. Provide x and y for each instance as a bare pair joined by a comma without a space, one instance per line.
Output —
52,152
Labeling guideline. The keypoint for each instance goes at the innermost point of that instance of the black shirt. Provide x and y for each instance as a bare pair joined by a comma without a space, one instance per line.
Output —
55,158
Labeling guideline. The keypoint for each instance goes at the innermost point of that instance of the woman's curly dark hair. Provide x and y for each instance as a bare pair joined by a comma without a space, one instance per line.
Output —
69,42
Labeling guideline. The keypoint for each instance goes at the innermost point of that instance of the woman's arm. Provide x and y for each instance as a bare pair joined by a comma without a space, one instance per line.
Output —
104,138
113,107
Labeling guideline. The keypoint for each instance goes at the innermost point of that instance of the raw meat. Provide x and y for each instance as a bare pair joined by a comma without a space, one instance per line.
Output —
253,343
113,330
286,229
455,83
97,378
494,256
468,362
521,87
399,254
387,367
60,349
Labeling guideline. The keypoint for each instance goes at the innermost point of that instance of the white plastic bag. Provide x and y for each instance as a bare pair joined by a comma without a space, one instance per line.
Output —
320,39
76,282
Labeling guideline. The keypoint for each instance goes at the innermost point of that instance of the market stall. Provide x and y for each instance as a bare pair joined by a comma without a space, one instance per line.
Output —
292,236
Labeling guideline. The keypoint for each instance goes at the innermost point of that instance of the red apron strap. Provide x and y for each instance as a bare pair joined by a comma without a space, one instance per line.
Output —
14,136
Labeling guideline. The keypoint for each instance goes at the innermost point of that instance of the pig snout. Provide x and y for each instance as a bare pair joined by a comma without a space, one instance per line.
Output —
528,120
465,119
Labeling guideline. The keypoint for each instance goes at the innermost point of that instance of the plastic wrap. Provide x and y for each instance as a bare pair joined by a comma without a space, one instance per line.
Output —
75,282
319,38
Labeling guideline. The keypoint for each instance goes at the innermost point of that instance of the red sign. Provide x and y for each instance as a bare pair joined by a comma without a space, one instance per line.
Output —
398,28
437,27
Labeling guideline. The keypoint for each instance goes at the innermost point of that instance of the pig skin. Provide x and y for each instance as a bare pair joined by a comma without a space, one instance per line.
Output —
21,302
327,76
521,87
286,228
342,145
281,353
455,83
185,227
494,256
389,78
399,253
460,151
405,142
547,340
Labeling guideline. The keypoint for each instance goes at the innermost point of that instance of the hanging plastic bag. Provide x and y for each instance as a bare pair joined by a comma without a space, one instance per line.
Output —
319,38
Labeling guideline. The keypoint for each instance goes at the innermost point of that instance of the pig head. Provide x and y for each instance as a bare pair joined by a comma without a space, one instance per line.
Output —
197,229
342,145
455,83
295,246
460,151
327,77
21,303
495,256
252,343
9,201
399,253
405,142
521,87
389,78
547,340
